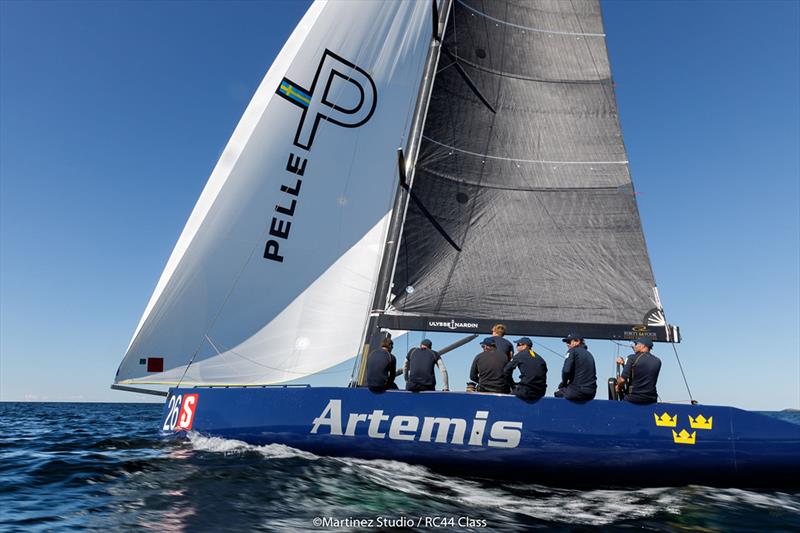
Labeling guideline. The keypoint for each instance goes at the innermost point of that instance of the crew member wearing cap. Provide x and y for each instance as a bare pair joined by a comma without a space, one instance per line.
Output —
418,368
532,372
578,377
381,368
502,345
640,374
487,369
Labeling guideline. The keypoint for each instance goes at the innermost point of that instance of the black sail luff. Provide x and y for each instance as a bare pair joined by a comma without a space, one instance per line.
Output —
523,169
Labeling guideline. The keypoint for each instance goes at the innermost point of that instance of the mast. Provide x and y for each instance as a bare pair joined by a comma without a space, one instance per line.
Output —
372,333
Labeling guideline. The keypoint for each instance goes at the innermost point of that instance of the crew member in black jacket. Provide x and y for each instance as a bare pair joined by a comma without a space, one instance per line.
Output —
578,377
487,369
640,373
532,372
381,368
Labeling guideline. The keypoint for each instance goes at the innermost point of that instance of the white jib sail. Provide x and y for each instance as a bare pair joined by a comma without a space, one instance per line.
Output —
271,279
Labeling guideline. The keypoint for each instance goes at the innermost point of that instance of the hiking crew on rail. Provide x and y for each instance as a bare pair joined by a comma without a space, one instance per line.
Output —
637,383
418,368
492,371
578,377
532,372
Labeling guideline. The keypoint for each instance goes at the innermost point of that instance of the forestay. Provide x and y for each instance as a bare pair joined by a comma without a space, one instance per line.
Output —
531,215
273,274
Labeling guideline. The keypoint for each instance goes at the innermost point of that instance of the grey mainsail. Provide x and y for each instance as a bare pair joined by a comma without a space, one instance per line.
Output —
524,210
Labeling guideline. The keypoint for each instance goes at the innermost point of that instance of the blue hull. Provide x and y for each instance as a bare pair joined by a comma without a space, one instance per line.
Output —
550,441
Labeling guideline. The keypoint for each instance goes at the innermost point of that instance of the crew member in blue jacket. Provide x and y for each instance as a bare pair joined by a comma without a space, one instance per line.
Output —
578,377
500,343
640,374
532,372
418,368
381,368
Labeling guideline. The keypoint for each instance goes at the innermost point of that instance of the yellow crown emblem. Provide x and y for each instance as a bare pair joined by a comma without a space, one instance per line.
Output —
700,422
665,420
684,437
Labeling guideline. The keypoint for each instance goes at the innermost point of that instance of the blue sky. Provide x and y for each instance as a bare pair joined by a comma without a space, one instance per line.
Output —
112,115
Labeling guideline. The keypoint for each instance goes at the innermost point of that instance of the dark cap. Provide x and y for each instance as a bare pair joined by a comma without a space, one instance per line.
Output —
488,341
426,342
572,337
525,340
646,342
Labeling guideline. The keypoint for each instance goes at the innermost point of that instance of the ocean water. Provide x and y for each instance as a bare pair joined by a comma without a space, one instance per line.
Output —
79,467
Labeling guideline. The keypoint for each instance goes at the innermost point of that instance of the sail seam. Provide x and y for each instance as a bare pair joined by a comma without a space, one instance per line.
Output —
598,81
523,189
528,28
543,161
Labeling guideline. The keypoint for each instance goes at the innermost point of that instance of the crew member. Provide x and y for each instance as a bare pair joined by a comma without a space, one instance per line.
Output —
640,374
532,372
578,377
381,368
418,368
502,345
487,368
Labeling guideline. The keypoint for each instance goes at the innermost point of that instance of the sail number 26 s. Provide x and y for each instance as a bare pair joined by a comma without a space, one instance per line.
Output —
180,412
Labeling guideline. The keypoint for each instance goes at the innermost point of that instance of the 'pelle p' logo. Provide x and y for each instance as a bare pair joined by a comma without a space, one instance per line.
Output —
341,93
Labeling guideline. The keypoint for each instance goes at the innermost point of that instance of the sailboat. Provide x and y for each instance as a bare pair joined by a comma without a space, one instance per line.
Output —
430,166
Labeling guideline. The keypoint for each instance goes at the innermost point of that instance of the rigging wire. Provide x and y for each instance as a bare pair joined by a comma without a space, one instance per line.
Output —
550,349
691,399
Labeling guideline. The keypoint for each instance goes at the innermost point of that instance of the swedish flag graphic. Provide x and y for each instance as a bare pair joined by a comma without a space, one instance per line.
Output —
294,93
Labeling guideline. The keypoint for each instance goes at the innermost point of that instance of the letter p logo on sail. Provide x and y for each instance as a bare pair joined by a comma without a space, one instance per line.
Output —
341,93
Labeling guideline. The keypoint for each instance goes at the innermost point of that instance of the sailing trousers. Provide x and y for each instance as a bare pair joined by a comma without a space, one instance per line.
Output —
575,395
526,393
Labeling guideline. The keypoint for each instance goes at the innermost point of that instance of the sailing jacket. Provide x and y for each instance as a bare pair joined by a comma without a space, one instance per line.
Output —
381,369
487,372
641,373
418,369
532,372
579,373
502,345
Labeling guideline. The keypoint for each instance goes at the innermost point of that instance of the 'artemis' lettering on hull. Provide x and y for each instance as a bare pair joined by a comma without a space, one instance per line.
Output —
503,434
